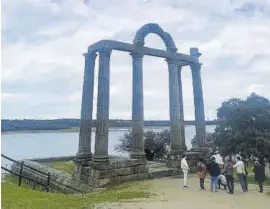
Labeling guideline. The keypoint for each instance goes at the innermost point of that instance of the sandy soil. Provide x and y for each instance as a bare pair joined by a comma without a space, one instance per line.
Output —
171,195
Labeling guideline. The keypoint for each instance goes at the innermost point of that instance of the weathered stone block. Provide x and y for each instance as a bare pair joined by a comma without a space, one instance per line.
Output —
140,169
131,177
102,174
142,176
100,182
124,171
101,166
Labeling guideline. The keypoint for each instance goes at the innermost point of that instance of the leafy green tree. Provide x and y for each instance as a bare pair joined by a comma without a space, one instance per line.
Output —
243,126
158,142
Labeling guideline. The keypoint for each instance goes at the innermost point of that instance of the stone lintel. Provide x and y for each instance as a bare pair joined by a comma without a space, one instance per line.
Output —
117,45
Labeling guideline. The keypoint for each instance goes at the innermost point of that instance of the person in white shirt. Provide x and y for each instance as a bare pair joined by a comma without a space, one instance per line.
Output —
185,169
222,181
240,169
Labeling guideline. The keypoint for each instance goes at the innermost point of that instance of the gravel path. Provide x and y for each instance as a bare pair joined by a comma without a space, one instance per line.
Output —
171,195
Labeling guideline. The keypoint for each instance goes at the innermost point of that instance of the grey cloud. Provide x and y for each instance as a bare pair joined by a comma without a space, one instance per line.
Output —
53,80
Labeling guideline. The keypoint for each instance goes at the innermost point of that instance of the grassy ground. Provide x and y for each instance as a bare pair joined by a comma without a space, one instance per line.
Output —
251,177
14,197
66,166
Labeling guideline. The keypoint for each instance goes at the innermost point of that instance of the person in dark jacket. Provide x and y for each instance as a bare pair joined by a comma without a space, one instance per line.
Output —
149,154
228,167
214,171
245,172
259,172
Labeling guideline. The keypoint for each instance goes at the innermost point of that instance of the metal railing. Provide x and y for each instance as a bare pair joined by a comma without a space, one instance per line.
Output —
20,175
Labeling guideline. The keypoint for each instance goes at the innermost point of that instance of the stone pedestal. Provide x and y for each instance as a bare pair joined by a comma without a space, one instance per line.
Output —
116,171
193,158
174,161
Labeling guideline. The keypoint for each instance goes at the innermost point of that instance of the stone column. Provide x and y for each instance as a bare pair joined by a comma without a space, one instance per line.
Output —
175,117
137,108
198,100
103,98
84,154
182,118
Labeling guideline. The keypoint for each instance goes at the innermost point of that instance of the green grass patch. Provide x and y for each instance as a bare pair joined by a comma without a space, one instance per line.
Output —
251,177
251,180
14,197
66,166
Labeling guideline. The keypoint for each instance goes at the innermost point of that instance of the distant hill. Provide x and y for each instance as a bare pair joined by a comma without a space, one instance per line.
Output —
58,124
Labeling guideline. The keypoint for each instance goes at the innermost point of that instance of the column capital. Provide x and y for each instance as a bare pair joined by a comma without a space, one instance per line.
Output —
136,55
171,61
92,55
105,52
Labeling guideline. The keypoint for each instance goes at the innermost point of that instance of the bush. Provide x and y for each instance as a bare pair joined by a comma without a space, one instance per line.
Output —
157,143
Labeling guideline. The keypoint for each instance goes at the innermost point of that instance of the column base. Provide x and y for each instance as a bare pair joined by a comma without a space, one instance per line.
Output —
178,151
101,162
174,160
83,158
140,156
193,158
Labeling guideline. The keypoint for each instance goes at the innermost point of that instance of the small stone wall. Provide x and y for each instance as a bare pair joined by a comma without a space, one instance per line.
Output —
174,161
117,170
87,179
60,181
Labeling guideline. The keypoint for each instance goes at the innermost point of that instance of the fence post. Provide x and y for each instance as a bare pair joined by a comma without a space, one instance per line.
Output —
20,175
48,182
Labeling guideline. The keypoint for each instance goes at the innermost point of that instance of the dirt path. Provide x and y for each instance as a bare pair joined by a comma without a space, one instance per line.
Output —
171,195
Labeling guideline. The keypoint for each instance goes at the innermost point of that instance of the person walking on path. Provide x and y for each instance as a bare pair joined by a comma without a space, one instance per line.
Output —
214,171
240,167
228,167
259,172
201,171
185,169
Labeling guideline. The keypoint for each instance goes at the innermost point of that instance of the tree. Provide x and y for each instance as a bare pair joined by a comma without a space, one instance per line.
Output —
158,142
209,142
243,126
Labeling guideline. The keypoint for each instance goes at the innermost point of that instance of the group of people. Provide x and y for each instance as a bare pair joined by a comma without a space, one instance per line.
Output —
224,177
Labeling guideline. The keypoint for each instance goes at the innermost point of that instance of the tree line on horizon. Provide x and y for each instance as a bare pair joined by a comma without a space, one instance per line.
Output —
60,124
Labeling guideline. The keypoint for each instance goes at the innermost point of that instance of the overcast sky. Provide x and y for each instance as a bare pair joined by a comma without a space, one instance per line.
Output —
43,42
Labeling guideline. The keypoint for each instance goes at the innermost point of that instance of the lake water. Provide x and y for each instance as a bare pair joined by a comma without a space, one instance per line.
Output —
54,144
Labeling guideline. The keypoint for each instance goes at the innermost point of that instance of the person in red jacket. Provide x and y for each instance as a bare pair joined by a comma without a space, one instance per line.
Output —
201,172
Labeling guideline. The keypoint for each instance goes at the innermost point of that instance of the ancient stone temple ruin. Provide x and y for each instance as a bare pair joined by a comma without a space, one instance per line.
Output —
99,168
